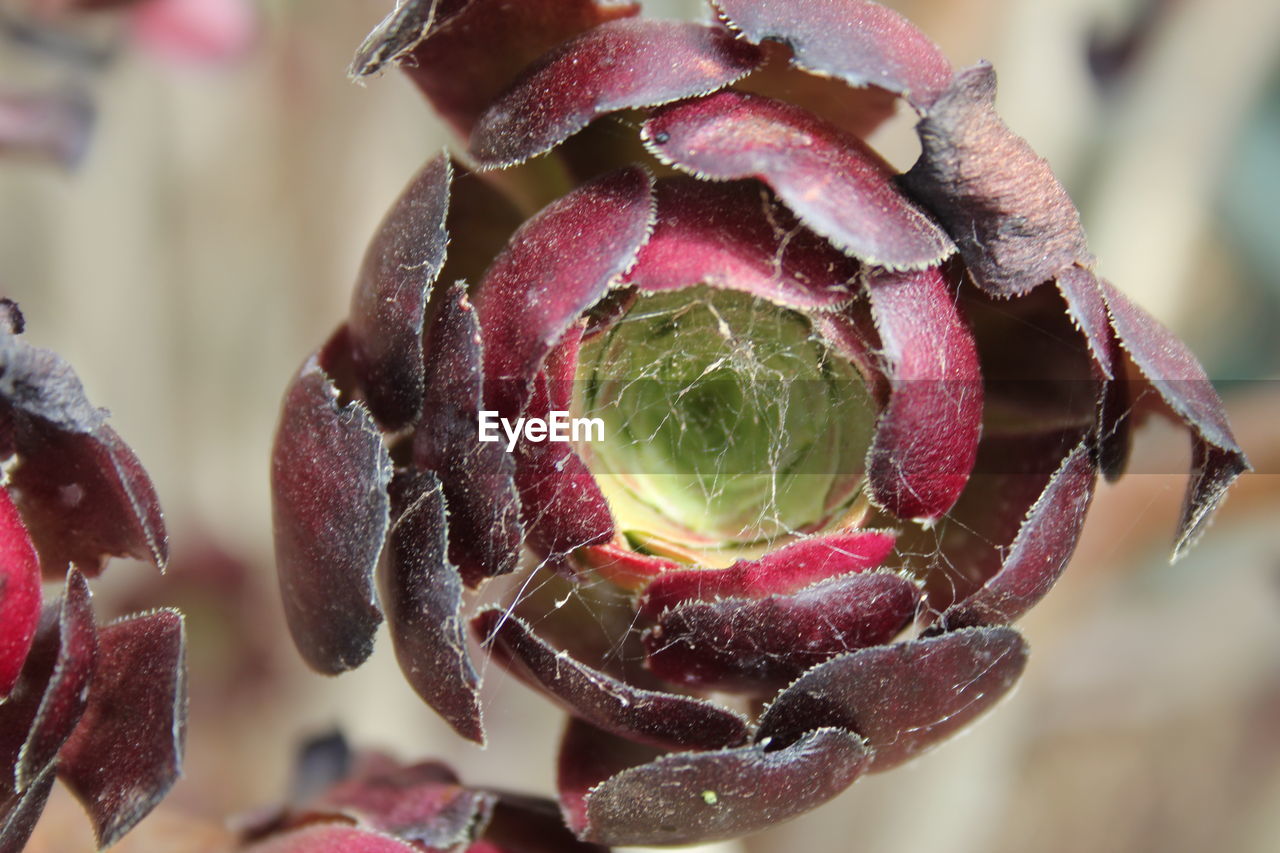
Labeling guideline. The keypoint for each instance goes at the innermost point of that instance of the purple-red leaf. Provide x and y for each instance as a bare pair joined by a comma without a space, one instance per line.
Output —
329,475
20,811
786,569
1087,307
127,751
49,697
19,594
332,838
464,63
760,645
559,264
1174,372
927,438
1014,223
403,29
396,277
689,797
86,497
618,65
81,491
622,566
478,477
967,546
1039,553
66,682
662,719
736,236
862,43
563,507
831,180
855,111
423,595
530,825
902,698
421,802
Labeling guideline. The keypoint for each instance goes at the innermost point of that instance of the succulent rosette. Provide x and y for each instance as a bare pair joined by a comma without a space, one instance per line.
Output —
103,708
851,420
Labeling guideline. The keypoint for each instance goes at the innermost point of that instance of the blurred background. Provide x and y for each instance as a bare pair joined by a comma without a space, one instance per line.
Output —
207,239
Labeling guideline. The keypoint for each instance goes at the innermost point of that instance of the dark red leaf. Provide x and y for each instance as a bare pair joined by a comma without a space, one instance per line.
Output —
689,797
967,546
927,438
852,334
563,507
786,569
19,812
329,475
1174,372
423,595
855,111
618,65
1014,223
85,497
80,490
422,803
127,751
760,645
396,277
478,477
66,673
902,698
736,236
622,566
19,594
836,184
46,126
1087,307
858,42
332,838
529,825
465,63
49,697
401,31
559,264
662,719
1040,552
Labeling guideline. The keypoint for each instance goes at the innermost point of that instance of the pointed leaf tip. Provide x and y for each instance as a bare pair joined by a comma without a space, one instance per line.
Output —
127,751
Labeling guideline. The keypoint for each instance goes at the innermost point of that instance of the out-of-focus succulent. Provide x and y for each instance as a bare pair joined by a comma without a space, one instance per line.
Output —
178,30
369,803
101,707
853,419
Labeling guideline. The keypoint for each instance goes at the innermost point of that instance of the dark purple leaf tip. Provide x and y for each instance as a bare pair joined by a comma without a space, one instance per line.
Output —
1014,223
127,751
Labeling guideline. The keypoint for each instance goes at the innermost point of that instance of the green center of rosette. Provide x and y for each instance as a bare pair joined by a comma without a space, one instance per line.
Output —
729,425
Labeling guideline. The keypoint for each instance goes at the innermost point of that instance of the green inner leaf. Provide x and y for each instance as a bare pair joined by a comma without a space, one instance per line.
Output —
727,422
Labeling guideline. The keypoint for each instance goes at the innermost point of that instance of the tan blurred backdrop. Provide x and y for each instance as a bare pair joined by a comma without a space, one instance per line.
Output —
209,240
